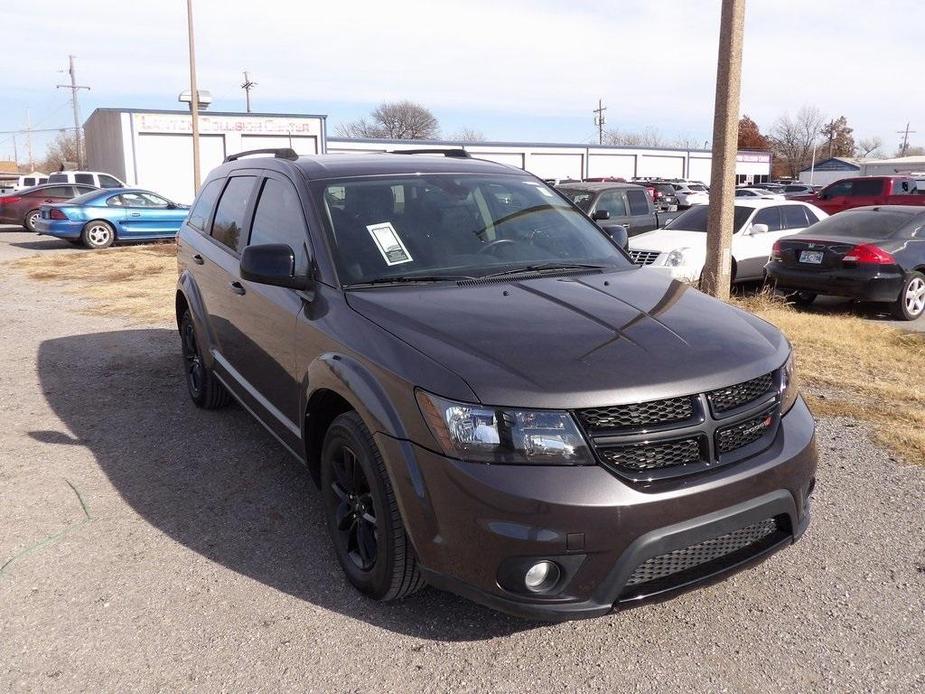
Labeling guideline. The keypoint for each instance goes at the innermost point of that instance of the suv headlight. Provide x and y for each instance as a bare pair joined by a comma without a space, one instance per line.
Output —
504,435
789,388
676,257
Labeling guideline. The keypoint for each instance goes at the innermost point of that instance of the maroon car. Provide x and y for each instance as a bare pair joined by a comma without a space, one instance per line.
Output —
22,206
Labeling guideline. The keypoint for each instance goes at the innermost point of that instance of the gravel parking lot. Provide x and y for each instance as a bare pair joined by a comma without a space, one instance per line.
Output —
147,545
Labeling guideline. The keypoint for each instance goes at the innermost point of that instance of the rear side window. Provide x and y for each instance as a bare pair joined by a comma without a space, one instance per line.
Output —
795,217
58,178
202,208
84,178
279,219
638,202
769,216
864,188
107,182
228,225
612,201
904,187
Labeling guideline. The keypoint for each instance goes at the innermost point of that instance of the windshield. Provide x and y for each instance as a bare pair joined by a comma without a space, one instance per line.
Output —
581,198
862,223
449,226
695,219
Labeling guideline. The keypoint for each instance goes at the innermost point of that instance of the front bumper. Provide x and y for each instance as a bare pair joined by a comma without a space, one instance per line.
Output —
468,521
62,228
863,283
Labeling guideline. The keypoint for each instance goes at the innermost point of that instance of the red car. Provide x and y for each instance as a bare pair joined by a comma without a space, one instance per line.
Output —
22,207
864,191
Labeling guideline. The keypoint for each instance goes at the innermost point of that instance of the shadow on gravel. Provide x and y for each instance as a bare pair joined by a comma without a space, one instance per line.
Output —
217,482
46,244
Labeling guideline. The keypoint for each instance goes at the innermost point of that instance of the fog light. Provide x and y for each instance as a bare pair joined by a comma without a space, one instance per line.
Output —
541,576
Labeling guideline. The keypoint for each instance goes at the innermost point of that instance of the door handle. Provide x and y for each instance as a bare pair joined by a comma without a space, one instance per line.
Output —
198,259
134,214
237,288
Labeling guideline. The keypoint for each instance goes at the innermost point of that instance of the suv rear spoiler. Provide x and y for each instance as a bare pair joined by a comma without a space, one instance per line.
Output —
458,153
278,152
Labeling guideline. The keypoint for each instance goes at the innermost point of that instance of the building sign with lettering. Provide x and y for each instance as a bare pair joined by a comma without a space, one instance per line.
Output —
182,123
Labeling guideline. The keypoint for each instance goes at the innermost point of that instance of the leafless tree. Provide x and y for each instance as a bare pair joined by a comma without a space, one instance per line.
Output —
398,120
62,151
792,139
869,147
469,135
649,137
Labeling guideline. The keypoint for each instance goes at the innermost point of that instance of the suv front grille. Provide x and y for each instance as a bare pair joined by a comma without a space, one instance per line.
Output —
658,439
639,457
709,550
640,414
730,398
743,433
644,257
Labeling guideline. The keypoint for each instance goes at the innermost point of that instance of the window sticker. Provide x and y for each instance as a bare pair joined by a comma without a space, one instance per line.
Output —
389,244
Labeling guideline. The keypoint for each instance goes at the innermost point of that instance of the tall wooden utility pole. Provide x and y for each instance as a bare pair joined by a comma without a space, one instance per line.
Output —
599,120
717,270
905,145
247,85
74,87
194,95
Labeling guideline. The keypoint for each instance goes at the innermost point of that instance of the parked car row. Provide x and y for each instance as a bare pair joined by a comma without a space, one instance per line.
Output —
863,191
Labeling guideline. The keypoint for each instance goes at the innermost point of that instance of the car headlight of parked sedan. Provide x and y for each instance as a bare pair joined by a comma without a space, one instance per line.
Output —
485,434
677,257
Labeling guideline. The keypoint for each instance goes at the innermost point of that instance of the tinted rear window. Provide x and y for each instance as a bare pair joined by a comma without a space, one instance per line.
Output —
863,224
868,187
695,219
58,178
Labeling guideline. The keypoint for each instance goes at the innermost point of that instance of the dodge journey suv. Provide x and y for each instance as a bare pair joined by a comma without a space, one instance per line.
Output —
491,397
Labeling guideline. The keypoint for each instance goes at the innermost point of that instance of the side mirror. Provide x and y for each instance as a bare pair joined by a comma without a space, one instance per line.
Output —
600,215
273,264
619,235
758,229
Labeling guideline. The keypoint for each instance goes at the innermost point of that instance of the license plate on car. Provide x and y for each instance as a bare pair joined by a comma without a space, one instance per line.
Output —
814,257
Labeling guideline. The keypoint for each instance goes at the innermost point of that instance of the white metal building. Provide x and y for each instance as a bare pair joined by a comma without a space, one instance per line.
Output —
579,161
154,148
884,167
834,169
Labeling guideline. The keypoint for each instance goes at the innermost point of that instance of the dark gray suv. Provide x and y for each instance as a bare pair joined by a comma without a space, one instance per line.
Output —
492,398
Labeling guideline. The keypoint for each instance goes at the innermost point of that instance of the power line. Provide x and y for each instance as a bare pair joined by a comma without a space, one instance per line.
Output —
74,87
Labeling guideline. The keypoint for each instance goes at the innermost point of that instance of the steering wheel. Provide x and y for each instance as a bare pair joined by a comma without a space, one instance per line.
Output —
494,244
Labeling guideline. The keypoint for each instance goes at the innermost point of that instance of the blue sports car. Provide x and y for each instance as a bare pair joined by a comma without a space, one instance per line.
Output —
100,218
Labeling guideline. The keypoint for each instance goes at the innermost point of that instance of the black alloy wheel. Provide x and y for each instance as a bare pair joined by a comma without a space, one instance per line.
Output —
355,514
204,388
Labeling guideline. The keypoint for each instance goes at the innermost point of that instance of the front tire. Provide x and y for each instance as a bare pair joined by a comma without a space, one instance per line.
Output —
911,302
204,388
30,219
98,234
362,515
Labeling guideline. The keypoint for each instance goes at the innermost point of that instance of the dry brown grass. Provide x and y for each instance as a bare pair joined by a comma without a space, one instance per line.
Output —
854,367
136,282
857,368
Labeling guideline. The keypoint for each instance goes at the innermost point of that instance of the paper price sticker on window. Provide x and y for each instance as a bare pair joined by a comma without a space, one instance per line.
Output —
389,244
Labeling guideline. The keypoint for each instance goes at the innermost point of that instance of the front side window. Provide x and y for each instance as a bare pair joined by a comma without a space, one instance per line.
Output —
84,178
279,219
228,225
638,203
838,188
446,226
613,202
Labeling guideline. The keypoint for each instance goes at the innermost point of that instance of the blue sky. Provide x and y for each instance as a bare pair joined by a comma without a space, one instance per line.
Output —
514,70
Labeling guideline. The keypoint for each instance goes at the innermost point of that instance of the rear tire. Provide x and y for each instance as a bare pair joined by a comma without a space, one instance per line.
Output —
801,298
98,234
910,304
204,388
29,221
362,515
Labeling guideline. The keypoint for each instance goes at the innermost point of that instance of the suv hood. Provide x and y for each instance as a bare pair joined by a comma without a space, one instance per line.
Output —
578,341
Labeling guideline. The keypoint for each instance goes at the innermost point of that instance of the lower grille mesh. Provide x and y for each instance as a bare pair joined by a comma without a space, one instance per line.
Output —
701,553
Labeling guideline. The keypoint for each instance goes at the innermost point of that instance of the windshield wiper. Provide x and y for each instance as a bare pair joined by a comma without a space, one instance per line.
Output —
545,267
407,279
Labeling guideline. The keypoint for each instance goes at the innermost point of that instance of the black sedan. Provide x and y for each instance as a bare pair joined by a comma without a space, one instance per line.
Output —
868,253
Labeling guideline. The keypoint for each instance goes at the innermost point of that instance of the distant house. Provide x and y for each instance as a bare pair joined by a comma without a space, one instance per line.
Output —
830,170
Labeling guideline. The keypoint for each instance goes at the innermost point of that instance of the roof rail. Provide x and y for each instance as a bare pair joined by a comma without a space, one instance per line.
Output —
458,153
278,152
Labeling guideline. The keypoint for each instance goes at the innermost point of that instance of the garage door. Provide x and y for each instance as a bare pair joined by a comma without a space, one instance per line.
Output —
556,165
616,165
165,163
666,167
302,144
516,160
700,169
